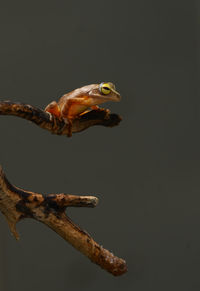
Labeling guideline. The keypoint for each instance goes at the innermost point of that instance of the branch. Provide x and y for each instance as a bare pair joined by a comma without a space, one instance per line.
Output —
17,204
55,125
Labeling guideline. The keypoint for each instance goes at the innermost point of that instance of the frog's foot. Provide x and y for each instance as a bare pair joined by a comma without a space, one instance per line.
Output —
95,107
107,111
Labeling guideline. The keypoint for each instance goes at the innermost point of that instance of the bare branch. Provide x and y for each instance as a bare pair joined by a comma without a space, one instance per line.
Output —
55,125
17,204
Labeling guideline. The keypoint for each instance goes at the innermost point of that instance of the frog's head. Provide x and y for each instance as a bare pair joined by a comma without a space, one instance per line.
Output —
105,91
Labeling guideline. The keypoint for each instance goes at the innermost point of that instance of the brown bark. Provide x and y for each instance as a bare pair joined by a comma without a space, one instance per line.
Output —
55,125
17,204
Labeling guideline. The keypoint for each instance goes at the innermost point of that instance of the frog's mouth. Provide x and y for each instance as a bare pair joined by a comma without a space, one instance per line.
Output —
111,97
115,96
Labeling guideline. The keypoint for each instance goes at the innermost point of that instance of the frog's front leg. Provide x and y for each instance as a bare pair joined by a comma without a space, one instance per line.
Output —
96,108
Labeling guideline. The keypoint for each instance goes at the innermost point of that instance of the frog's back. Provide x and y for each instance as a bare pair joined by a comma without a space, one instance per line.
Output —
83,91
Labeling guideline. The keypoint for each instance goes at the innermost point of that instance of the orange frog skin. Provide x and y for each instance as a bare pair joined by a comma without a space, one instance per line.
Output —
78,101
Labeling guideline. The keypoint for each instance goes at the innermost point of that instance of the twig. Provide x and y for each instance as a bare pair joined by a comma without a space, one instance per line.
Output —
17,204
55,125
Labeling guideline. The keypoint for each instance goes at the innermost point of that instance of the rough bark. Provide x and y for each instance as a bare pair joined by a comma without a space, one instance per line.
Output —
55,125
17,204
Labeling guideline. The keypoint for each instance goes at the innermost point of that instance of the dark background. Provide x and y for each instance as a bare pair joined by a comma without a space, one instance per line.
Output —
145,171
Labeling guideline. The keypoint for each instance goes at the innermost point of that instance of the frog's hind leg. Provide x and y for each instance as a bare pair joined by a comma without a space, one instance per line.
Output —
53,108
69,124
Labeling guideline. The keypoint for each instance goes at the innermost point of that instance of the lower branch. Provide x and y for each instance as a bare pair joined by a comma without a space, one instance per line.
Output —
17,204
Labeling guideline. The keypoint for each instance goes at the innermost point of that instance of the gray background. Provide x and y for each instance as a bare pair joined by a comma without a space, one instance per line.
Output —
145,171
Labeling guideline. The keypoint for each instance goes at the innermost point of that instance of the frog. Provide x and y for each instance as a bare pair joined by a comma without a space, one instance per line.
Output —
79,101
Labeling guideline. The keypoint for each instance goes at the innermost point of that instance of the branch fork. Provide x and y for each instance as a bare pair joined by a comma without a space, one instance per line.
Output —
17,204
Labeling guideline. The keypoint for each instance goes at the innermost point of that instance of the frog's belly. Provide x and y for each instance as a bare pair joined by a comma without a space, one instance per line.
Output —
76,110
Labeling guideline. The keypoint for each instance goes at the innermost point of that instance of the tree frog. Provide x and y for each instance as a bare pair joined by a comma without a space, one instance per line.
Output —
78,101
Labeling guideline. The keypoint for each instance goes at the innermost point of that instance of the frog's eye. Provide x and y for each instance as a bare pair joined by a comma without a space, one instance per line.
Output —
105,88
